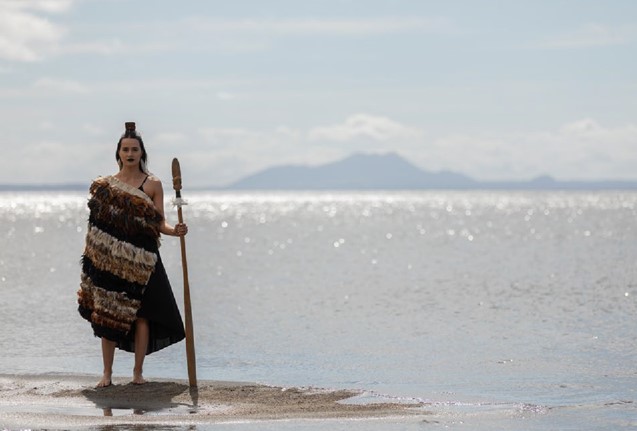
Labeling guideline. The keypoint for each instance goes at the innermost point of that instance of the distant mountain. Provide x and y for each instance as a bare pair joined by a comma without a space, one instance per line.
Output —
390,171
359,171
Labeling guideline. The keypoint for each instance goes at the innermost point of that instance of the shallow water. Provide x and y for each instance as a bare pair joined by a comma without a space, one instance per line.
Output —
504,310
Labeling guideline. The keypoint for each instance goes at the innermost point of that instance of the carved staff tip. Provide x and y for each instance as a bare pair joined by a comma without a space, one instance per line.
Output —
176,175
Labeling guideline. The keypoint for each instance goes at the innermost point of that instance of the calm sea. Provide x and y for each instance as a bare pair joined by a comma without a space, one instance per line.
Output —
504,310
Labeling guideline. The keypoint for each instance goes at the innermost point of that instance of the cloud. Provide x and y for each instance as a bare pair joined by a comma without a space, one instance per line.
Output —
247,35
24,34
224,95
222,155
588,149
581,149
101,47
45,87
54,6
92,129
586,127
203,33
59,86
590,36
55,161
365,126
231,137
323,26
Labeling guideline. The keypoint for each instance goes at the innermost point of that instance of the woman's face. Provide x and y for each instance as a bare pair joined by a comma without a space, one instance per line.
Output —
130,152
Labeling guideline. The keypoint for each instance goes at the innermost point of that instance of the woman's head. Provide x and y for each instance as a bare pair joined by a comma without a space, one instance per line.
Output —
130,149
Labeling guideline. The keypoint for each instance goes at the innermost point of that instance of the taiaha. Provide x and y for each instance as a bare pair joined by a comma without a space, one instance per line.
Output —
190,341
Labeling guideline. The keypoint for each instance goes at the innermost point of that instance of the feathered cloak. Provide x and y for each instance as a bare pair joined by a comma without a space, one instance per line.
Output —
120,256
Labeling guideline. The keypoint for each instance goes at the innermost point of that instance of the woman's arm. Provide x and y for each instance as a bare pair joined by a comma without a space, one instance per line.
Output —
156,193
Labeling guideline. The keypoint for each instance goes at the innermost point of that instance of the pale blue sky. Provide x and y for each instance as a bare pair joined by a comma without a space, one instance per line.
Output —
493,89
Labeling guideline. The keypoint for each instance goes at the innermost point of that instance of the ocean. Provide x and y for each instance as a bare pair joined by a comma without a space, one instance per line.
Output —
499,309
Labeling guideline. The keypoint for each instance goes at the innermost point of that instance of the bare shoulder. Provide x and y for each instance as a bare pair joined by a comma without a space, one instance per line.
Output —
155,181
154,186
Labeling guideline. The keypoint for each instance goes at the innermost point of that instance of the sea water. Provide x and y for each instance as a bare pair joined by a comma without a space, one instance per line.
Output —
499,309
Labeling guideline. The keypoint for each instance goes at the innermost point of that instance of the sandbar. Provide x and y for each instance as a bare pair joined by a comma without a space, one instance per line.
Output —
67,401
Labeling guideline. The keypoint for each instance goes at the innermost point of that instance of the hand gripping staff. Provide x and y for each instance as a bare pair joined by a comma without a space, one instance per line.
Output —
190,341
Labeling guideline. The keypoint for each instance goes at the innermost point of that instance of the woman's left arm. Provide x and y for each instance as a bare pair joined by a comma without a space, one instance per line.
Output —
157,195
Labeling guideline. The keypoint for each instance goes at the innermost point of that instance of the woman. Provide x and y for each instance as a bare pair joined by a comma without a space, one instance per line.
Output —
124,290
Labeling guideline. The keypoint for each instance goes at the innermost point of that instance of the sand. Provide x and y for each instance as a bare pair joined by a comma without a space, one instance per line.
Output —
64,401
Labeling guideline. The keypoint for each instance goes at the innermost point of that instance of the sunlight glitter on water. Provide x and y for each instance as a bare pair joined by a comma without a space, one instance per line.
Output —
513,297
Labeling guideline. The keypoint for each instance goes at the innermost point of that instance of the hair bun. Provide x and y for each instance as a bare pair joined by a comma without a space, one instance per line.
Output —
130,125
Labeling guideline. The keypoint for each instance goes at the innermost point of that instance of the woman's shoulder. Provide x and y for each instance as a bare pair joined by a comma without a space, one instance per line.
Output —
153,185
154,180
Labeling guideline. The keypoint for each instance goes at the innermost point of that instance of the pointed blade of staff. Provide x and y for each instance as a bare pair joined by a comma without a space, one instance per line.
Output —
190,341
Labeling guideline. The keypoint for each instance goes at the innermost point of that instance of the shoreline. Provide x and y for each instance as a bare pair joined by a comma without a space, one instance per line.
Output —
67,400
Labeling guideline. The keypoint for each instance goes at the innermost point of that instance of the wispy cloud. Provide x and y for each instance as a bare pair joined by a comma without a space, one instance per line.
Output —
248,34
365,126
579,149
54,6
93,129
254,34
322,26
590,36
25,35
102,47
223,155
59,86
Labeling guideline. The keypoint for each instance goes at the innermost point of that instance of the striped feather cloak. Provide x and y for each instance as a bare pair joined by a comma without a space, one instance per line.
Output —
121,251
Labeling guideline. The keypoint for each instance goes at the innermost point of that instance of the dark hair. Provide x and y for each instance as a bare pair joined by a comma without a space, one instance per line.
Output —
131,133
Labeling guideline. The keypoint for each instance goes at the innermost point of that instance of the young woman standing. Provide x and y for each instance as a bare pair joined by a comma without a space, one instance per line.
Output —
124,290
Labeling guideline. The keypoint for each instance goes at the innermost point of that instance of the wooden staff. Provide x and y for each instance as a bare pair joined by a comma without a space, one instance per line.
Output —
190,340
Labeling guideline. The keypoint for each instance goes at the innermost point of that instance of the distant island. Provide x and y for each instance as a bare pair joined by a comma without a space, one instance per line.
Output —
360,171
392,172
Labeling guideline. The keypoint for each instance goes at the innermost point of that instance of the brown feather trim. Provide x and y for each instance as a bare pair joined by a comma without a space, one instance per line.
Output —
109,323
104,259
111,309
85,293
120,249
129,209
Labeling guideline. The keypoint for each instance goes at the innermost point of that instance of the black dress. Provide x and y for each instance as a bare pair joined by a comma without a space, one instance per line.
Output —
160,309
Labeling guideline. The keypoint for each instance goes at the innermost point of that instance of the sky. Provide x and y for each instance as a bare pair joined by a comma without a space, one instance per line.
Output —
497,90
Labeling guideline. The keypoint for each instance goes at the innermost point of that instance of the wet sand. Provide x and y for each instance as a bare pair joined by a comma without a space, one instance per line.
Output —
63,401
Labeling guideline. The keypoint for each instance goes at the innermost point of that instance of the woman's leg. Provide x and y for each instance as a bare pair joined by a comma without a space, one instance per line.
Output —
108,355
141,345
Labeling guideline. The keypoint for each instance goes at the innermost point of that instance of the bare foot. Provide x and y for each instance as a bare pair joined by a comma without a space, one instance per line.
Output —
105,382
138,379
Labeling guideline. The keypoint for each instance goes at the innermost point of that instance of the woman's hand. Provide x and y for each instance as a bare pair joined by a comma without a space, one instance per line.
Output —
181,229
